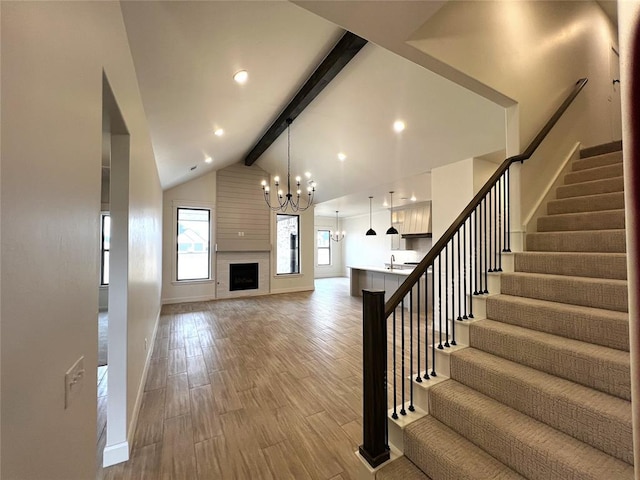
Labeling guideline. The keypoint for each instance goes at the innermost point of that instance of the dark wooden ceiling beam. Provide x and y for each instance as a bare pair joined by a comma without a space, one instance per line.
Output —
347,48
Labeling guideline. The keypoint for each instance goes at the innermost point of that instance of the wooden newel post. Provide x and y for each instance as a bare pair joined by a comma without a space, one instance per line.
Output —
375,449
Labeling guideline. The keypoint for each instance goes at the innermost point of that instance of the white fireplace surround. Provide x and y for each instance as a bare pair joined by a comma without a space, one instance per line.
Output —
224,259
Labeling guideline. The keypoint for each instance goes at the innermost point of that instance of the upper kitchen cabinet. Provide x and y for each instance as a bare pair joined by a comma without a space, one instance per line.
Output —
412,221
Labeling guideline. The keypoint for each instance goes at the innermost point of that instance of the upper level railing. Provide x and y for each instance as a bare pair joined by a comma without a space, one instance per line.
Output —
459,264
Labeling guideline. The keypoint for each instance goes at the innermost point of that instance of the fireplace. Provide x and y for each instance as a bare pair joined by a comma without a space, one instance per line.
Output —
243,276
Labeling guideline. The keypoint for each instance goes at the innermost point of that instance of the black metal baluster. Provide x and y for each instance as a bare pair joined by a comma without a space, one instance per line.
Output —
471,271
464,268
475,251
440,301
446,295
496,250
395,398
411,408
480,249
488,247
402,410
486,274
499,249
453,292
433,320
459,279
418,377
508,213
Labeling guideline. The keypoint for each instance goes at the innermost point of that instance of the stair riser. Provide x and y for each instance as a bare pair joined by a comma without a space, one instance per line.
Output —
606,294
581,265
603,374
598,173
530,394
607,220
590,203
599,161
611,241
608,185
595,326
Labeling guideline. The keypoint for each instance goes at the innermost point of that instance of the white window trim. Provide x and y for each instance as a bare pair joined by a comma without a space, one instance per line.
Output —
175,204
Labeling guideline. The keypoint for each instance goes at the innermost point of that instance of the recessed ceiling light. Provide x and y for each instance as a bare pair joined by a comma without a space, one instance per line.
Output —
307,174
413,198
398,126
342,157
218,132
385,204
208,160
241,77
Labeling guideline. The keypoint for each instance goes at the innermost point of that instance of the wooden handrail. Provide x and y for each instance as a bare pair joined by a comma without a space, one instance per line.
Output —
428,260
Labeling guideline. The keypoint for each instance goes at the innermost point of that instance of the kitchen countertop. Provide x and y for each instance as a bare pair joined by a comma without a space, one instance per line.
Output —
371,268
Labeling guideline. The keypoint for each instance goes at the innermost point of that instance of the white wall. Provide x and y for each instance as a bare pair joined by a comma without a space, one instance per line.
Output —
629,22
53,56
452,189
531,52
200,192
336,269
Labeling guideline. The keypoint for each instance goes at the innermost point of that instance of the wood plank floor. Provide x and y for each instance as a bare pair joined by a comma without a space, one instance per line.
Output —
260,388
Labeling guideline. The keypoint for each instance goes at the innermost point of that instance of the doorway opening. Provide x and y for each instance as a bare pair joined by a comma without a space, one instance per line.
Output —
114,262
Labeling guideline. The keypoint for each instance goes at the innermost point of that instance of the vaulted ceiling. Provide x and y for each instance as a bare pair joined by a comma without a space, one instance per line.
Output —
185,55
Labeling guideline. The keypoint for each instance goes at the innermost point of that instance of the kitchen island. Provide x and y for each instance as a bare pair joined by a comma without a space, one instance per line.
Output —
370,277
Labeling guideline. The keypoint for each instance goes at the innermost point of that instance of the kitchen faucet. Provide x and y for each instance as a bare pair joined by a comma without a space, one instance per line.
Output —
393,259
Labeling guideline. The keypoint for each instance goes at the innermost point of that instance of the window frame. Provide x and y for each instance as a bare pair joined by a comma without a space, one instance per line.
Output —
328,247
177,252
298,218
104,215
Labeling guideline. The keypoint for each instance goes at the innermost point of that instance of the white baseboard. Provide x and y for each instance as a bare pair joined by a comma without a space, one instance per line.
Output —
115,454
293,289
136,408
201,298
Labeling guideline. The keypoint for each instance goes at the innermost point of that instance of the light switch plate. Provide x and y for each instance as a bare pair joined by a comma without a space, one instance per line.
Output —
73,381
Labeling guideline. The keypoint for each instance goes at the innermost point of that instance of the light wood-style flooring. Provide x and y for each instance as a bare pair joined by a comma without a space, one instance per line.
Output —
259,388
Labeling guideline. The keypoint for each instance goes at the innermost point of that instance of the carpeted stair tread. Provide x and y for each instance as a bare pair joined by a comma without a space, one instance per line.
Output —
596,161
593,325
401,468
533,449
605,369
445,455
606,241
579,264
594,187
587,203
595,173
604,220
605,293
593,417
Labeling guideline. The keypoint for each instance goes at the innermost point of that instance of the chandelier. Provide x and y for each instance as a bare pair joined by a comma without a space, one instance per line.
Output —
337,236
289,201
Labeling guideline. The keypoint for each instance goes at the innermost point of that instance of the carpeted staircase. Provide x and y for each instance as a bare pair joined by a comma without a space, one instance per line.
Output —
543,392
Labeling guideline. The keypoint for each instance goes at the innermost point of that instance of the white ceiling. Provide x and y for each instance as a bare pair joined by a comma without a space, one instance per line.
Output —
186,53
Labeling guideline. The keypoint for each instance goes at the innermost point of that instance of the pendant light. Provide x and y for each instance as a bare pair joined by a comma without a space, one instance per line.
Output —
391,230
336,237
371,231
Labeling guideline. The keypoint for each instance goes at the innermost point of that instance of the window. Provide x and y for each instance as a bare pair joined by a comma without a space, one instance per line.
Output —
194,227
105,246
324,247
288,244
